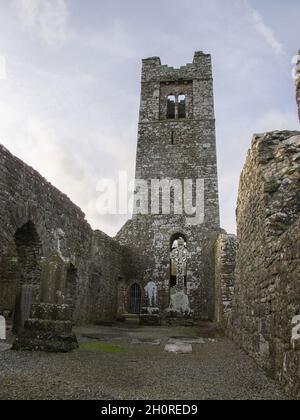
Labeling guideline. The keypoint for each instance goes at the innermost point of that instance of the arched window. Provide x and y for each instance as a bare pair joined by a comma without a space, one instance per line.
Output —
181,106
171,104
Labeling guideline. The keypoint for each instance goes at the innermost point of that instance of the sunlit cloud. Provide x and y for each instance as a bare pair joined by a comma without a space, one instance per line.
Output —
72,112
46,19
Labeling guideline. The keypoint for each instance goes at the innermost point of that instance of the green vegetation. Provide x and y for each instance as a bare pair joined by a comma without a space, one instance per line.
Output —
102,347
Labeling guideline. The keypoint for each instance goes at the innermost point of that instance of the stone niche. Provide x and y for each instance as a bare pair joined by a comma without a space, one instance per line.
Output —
49,327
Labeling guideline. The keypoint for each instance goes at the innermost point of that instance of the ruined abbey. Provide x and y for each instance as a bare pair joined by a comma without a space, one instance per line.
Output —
165,265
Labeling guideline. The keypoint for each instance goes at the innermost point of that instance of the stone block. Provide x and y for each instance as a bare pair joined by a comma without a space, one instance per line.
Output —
52,312
48,326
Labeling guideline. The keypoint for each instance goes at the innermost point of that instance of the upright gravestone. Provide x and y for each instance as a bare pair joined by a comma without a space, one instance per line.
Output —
179,303
150,313
2,328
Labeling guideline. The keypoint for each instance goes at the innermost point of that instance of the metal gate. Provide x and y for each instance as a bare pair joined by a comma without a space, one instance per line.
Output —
135,296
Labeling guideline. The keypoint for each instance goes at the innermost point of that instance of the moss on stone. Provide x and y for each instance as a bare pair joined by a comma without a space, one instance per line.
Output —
102,347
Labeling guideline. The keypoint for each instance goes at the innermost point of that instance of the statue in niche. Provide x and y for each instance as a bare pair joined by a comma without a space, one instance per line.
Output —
151,294
179,256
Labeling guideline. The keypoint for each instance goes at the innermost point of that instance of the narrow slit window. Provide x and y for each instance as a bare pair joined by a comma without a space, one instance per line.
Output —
171,107
172,138
181,106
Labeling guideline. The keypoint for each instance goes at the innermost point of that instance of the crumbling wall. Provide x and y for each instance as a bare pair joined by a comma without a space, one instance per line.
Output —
33,212
225,252
106,273
267,283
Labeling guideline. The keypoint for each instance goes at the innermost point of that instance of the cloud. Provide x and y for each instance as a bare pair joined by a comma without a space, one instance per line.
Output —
73,169
3,74
72,116
263,29
113,40
45,18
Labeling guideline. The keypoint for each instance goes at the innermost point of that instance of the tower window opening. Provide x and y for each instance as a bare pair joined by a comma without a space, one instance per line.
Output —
181,106
171,107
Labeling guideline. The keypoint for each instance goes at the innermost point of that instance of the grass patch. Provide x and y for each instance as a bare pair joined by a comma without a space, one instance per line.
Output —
102,347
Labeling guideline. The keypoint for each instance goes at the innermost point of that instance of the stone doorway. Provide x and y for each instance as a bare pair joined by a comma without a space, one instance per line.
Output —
135,298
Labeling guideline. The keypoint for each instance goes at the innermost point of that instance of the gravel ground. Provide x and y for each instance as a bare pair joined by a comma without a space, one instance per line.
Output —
143,370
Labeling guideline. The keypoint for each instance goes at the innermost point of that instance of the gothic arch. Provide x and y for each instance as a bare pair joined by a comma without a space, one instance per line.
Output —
29,213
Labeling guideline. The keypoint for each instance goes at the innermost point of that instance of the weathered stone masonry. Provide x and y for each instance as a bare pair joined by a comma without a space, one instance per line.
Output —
54,269
33,216
267,280
225,254
170,147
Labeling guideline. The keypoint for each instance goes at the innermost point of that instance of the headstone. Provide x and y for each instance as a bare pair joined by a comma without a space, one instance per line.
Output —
151,294
2,328
150,314
179,305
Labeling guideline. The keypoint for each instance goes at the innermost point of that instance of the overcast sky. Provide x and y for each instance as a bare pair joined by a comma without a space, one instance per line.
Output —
70,82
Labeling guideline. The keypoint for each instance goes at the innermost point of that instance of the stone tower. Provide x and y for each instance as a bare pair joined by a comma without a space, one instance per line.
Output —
176,146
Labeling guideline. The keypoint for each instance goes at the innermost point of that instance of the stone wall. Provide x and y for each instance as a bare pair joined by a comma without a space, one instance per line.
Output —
225,251
148,245
106,272
267,284
298,84
38,222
